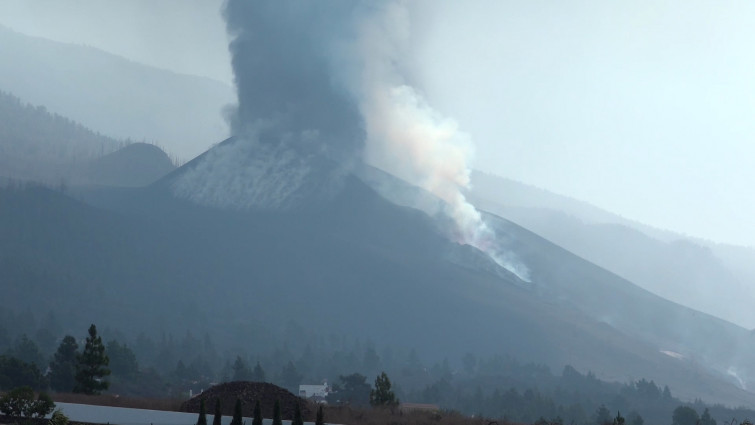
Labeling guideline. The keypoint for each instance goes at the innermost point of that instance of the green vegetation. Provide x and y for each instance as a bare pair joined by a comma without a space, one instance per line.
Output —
685,415
202,420
277,420
257,413
297,419
320,419
92,364
382,395
354,390
237,415
241,371
58,418
258,374
63,366
218,417
16,373
20,402
493,387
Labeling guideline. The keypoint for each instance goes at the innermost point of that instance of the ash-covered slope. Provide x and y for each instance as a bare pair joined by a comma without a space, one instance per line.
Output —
248,173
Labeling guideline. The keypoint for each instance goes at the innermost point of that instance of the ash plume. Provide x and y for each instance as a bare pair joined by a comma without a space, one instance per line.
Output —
297,131
410,139
323,85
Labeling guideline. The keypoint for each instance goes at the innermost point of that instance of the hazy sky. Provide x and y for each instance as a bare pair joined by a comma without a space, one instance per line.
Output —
644,108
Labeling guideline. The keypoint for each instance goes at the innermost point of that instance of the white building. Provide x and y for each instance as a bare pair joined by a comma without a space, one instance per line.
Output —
315,392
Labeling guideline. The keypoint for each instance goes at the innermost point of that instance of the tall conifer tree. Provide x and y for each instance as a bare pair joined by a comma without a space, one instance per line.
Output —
92,366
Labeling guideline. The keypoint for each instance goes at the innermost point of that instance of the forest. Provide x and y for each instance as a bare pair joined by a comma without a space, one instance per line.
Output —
502,387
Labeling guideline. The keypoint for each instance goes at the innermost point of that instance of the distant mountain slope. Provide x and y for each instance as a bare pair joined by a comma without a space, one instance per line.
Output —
113,95
690,272
137,164
38,145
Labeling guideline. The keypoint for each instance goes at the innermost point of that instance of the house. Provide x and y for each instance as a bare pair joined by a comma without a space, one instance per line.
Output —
316,393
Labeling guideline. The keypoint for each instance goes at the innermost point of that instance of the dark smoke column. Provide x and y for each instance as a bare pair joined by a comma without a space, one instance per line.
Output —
296,130
286,64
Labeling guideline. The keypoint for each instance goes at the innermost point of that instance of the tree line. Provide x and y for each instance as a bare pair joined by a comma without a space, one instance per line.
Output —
493,386
70,370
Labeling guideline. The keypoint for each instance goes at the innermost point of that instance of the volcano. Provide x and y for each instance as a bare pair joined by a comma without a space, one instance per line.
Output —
370,267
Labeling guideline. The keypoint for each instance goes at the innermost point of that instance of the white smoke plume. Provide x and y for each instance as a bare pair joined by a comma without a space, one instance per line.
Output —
407,137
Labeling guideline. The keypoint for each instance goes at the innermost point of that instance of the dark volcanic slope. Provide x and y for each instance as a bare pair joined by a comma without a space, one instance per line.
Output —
141,259
137,164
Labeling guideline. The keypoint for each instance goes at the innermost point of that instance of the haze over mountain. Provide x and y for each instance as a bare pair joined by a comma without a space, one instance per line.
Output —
709,277
113,95
48,148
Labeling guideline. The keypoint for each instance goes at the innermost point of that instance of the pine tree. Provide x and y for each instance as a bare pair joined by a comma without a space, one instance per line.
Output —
277,413
258,374
218,414
257,419
618,420
320,420
382,394
241,371
91,366
706,419
237,415
202,413
297,420
63,366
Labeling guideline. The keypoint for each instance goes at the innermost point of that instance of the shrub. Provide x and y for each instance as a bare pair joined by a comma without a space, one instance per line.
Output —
20,401
43,406
58,418
17,401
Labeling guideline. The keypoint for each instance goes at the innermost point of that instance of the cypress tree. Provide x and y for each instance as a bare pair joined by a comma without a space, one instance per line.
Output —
277,413
297,415
202,413
218,414
257,419
320,420
237,416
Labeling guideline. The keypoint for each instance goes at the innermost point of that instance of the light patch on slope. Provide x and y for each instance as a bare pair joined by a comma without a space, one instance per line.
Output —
673,354
733,373
243,174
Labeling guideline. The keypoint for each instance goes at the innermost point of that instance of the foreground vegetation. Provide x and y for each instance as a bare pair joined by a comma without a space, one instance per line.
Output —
160,374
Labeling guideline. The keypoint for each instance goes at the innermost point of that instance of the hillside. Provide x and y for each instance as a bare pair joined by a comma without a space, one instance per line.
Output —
664,263
38,145
137,164
113,95
353,259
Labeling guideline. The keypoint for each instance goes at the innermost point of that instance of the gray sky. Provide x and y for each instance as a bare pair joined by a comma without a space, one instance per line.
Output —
181,35
644,108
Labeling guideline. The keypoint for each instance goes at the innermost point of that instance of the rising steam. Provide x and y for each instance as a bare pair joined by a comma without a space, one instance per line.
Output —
407,137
